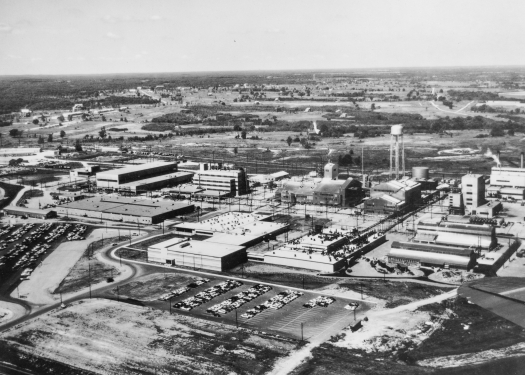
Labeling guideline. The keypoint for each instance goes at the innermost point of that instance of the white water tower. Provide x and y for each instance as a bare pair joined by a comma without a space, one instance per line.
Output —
396,137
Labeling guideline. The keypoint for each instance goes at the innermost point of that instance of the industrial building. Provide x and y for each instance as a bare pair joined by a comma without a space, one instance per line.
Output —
393,197
230,181
447,244
234,228
29,212
142,177
265,179
197,254
457,234
330,190
507,183
473,191
131,210
431,255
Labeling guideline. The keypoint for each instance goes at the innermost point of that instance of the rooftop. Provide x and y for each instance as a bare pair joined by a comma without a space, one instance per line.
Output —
126,206
197,247
138,168
157,179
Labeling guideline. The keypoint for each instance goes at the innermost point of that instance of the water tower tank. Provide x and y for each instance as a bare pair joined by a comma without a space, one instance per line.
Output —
420,172
397,130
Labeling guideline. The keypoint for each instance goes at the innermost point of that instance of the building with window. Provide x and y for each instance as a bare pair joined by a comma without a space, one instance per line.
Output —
231,181
394,196
473,191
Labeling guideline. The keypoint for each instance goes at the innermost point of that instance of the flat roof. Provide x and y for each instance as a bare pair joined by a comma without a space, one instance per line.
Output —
197,247
426,257
126,206
27,210
151,180
138,168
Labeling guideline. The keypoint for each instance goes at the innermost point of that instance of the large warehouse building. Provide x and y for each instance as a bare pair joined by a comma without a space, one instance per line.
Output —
142,177
131,210
197,254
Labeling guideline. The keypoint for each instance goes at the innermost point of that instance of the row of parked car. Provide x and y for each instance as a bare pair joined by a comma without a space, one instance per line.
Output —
276,303
77,232
37,233
319,301
207,295
238,300
184,289
17,234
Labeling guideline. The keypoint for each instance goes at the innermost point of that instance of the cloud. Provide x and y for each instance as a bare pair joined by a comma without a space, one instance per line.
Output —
35,59
5,28
11,56
155,18
112,35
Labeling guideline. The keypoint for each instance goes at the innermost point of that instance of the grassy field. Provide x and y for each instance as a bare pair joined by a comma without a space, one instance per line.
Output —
486,331
117,338
88,269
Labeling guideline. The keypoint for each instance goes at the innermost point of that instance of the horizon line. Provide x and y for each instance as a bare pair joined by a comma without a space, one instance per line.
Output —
270,70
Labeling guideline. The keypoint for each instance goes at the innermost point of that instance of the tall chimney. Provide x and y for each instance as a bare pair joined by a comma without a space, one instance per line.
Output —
522,160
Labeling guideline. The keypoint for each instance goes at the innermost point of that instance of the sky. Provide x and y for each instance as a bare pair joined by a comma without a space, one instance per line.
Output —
139,36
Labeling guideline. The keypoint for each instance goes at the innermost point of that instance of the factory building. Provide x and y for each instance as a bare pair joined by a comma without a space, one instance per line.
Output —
473,191
457,234
233,182
431,255
342,193
393,197
29,212
197,254
507,183
117,178
130,210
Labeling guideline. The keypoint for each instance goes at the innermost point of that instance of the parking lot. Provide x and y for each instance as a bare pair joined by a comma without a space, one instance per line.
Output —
282,318
23,247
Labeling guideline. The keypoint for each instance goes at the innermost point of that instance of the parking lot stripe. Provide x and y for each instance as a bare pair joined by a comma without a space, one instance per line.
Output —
297,317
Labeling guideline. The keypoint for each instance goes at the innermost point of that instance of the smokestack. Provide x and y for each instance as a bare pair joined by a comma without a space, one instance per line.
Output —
522,160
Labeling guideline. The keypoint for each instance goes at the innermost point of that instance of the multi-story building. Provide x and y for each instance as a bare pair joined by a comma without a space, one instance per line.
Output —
473,191
393,197
231,181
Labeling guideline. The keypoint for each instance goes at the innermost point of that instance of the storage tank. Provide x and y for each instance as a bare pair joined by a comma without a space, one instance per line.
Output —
420,172
397,130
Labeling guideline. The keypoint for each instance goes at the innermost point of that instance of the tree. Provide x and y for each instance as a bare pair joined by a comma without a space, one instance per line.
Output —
102,133
243,134
62,134
40,140
78,146
289,140
35,121
50,137
497,132
235,151
510,132
236,127
13,132
373,106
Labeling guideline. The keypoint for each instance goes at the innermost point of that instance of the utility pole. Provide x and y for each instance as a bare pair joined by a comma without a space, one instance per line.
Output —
302,337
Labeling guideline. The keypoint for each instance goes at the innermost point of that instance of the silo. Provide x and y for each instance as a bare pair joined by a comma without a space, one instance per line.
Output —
420,172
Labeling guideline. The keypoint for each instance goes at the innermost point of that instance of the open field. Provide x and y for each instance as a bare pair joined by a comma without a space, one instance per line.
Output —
107,337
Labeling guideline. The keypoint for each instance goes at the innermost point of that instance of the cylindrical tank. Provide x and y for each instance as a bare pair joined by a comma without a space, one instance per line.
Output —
397,130
420,172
